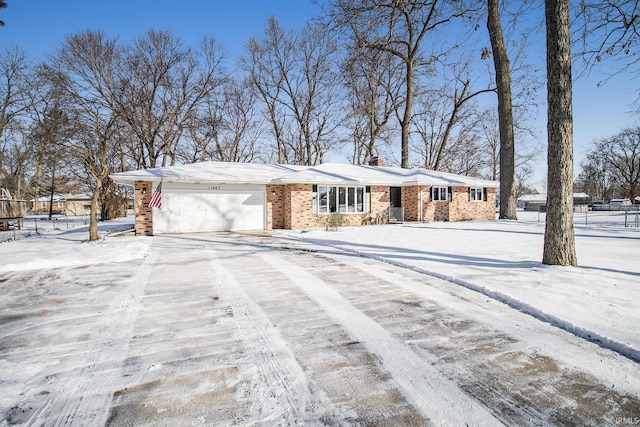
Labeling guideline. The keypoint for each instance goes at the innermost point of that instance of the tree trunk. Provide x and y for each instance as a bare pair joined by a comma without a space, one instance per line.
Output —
559,240
505,113
93,213
406,119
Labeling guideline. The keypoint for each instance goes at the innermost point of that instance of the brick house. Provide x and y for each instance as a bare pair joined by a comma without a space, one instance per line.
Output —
220,196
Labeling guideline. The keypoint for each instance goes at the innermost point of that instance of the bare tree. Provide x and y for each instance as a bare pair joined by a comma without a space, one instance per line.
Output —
295,75
227,128
446,116
373,80
161,84
505,112
594,178
607,30
16,91
399,28
83,70
49,135
267,62
621,157
559,239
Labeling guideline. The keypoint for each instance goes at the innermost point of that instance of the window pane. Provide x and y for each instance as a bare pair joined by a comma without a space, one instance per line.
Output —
351,199
332,200
359,199
443,194
322,198
342,199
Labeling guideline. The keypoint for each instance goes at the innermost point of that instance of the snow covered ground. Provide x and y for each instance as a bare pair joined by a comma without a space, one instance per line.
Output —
409,324
599,300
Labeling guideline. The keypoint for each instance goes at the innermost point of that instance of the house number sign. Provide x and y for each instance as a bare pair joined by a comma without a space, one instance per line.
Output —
213,187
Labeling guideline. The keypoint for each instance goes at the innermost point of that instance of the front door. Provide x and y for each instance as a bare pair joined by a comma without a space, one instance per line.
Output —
396,212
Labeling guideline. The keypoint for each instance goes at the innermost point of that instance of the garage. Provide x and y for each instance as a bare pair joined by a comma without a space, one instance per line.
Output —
191,208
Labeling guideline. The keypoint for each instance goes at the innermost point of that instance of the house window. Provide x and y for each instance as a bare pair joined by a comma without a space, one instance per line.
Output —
60,204
43,205
341,199
477,194
440,194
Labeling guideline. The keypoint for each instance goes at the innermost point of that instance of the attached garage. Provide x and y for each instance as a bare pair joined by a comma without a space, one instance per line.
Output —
221,196
189,208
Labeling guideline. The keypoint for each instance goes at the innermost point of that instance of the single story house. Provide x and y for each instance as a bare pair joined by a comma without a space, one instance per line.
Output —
222,196
41,204
538,202
80,205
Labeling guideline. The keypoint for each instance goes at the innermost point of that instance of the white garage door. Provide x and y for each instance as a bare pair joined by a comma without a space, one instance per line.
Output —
188,208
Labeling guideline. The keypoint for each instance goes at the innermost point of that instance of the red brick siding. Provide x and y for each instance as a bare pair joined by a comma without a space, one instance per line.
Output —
460,208
275,207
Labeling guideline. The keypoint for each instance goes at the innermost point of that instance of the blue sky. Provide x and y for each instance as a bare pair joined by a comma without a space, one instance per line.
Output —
40,26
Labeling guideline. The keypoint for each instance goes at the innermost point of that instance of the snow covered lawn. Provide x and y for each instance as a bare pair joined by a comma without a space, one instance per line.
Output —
383,325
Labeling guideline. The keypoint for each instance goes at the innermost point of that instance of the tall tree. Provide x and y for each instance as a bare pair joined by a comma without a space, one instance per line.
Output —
399,28
16,85
161,85
228,127
608,30
372,82
559,239
594,178
295,74
83,70
18,93
266,72
446,117
505,112
620,156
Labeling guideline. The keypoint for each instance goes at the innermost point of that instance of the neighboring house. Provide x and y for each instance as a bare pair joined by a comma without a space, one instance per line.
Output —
219,196
41,205
620,202
70,205
80,205
538,202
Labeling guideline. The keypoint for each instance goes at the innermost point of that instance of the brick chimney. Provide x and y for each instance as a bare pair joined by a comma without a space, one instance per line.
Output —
376,161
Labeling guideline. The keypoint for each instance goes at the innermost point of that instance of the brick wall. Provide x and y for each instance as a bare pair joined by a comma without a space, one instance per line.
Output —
459,208
291,207
144,214
462,209
298,211
379,201
276,207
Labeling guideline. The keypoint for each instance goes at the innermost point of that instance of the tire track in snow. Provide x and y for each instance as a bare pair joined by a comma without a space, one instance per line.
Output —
85,399
479,347
603,341
283,392
440,399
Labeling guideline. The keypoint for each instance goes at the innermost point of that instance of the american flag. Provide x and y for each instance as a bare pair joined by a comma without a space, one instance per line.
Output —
156,197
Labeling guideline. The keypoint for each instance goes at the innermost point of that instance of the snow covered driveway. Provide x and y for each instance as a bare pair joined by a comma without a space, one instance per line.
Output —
229,329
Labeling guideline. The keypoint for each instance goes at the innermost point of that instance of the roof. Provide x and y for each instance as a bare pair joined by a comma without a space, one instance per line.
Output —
543,197
324,174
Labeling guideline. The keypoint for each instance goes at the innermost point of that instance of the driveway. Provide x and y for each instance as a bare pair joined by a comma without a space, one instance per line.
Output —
248,329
